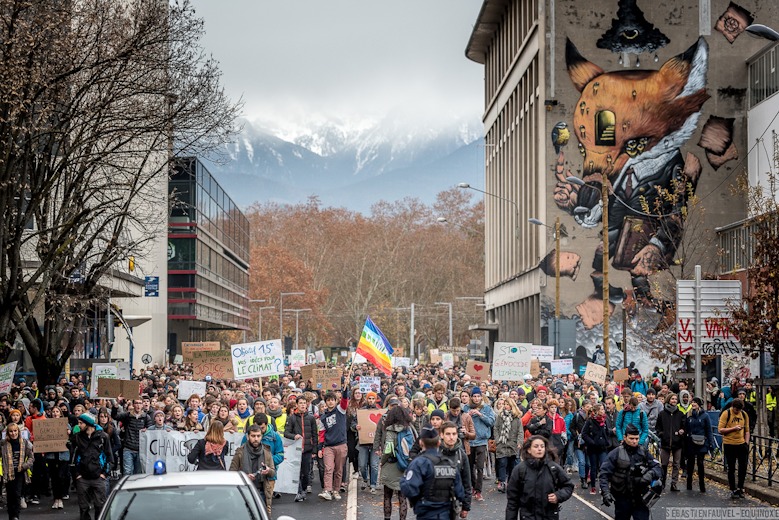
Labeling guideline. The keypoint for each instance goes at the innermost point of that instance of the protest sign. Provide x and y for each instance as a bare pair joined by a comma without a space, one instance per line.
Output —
435,357
258,359
188,347
109,388
288,473
542,353
187,388
401,361
535,368
327,379
319,355
595,373
102,371
478,370
307,372
511,361
7,372
621,375
370,384
447,360
562,366
215,363
297,358
178,359
51,435
367,420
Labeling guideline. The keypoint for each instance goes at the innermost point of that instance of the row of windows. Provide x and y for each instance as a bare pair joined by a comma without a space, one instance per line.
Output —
763,77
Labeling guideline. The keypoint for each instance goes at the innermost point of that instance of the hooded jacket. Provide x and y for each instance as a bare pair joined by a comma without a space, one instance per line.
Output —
527,498
669,422
305,426
92,455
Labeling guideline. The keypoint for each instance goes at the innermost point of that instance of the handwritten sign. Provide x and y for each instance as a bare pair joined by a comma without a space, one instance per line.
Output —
215,363
327,379
262,358
307,372
535,368
595,373
188,388
188,347
542,353
297,358
401,361
51,435
103,371
478,370
370,384
319,355
367,420
435,356
562,366
7,372
109,388
447,360
621,375
511,361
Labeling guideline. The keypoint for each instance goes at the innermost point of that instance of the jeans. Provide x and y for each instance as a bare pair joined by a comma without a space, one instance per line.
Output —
13,490
504,466
368,457
131,462
584,464
596,458
665,458
305,472
736,453
476,459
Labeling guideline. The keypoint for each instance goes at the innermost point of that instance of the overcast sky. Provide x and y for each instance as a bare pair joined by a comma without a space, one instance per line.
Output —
355,59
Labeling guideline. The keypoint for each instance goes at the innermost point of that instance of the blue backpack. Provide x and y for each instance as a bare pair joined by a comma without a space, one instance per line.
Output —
403,445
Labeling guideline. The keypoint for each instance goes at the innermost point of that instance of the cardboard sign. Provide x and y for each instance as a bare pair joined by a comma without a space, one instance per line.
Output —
178,359
478,370
51,435
7,372
595,373
297,358
562,366
370,384
215,363
258,359
535,368
435,356
542,353
511,361
622,374
327,379
307,372
109,388
187,388
188,347
367,420
116,370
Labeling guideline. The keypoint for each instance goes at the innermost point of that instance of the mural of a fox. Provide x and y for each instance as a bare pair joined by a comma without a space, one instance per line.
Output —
630,126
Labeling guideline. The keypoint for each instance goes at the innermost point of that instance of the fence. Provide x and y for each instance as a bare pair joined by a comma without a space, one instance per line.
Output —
763,459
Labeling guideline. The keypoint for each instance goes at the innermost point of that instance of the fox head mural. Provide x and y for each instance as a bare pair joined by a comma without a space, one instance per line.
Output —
627,117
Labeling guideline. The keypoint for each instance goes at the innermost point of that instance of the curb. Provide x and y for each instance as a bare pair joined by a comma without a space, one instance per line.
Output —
753,489
351,499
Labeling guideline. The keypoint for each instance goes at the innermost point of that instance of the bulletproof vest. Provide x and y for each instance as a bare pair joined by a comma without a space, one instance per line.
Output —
439,489
620,479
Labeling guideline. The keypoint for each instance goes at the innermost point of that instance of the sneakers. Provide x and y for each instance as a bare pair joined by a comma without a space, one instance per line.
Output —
35,500
23,504
374,490
363,485
584,483
477,496
739,493
58,504
343,488
66,497
300,497
326,495
501,487
674,488
593,491
336,495
276,496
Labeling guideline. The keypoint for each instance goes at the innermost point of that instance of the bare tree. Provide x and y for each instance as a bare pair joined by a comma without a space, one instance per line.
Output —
98,97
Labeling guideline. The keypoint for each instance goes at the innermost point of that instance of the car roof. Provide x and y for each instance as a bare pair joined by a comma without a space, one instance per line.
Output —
186,478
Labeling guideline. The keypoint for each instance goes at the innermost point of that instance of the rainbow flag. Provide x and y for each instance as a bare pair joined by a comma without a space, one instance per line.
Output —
375,347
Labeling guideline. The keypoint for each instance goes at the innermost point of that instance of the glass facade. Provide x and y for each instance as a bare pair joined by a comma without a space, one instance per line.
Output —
208,251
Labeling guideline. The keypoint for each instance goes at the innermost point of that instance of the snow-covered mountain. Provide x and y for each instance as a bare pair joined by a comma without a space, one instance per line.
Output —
350,164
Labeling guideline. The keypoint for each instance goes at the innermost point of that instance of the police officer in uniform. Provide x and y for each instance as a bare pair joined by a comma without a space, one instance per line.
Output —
630,478
431,481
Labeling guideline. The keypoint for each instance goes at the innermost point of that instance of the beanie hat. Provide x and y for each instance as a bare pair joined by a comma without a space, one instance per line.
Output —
371,394
158,412
88,418
520,391
429,433
698,401
438,413
476,390
541,388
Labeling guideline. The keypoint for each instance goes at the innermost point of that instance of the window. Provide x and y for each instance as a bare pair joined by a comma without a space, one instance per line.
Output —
605,128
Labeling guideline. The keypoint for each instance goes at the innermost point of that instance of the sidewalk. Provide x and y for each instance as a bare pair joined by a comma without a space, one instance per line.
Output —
758,489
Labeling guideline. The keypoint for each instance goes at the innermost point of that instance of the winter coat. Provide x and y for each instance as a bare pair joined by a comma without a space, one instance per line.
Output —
535,427
576,427
464,420
482,423
197,455
670,421
596,437
390,474
92,454
303,425
132,427
459,459
527,498
635,417
651,411
698,424
237,465
510,448
272,440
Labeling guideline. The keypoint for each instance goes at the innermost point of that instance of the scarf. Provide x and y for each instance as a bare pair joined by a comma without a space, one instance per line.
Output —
215,449
251,458
15,449
243,415
505,430
600,419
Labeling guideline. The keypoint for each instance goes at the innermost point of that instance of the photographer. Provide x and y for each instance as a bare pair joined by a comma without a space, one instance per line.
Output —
466,431
256,460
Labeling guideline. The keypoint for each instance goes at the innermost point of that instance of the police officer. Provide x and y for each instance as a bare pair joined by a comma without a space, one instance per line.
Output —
630,478
432,481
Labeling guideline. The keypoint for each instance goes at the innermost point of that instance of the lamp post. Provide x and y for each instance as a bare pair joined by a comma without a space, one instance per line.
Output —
604,192
259,327
450,320
297,317
763,31
556,228
465,185
281,310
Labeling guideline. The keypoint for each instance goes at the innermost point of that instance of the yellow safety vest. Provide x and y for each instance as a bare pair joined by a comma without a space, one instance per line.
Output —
770,402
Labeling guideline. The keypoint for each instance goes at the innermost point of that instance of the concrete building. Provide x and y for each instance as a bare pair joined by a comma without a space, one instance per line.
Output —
649,97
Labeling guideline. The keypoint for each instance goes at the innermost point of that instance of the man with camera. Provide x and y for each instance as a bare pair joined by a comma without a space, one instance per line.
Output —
260,457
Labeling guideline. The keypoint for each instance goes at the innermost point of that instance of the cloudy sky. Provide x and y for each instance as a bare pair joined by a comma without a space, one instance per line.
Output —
350,59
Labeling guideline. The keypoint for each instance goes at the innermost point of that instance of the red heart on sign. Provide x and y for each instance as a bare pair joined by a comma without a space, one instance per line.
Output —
478,368
374,417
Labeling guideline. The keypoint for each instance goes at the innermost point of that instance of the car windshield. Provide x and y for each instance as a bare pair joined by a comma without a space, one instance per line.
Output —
196,502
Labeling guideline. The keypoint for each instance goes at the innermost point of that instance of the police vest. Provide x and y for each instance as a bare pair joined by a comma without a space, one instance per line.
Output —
770,402
626,479
440,488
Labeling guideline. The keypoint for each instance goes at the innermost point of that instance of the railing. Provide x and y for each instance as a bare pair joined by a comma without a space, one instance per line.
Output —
763,461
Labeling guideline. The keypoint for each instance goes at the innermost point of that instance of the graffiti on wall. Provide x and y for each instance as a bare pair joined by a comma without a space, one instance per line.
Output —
630,32
733,22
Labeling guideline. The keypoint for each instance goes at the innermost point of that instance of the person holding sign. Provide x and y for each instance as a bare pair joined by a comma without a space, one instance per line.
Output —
334,450
366,456
17,457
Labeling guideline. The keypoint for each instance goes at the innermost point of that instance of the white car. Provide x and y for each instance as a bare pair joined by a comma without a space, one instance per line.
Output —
193,495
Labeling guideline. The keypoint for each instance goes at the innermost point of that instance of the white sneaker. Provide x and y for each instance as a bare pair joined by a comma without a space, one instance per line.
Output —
336,495
326,495
308,490
23,504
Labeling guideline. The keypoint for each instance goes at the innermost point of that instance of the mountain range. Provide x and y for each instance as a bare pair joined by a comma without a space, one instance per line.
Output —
350,164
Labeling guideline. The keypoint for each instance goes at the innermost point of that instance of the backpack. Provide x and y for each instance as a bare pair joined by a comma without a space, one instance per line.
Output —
403,445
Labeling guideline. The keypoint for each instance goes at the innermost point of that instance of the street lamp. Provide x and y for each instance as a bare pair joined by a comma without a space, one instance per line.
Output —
281,310
605,220
763,31
556,228
297,316
259,317
450,320
465,185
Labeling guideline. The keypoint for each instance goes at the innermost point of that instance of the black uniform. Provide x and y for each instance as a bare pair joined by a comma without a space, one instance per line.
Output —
429,483
627,474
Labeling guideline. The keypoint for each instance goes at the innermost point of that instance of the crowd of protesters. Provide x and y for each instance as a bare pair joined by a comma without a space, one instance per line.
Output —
490,432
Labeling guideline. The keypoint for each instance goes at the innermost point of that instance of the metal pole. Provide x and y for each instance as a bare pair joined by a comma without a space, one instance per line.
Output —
557,287
281,317
698,371
450,326
297,318
605,218
411,332
624,336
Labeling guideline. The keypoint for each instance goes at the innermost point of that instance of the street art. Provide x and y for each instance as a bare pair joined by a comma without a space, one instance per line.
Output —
630,32
733,22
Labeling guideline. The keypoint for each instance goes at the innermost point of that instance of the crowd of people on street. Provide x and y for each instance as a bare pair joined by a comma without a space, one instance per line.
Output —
442,437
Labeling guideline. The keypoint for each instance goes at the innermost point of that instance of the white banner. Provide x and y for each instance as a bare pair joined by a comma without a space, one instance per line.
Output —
511,361
258,359
319,355
542,353
401,362
187,388
7,372
562,366
288,473
297,358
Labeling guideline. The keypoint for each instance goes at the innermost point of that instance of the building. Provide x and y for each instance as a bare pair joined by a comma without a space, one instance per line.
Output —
208,257
651,97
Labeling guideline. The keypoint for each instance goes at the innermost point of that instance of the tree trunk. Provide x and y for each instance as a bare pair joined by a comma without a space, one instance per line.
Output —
47,370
